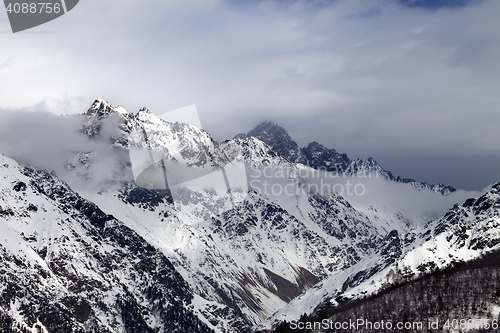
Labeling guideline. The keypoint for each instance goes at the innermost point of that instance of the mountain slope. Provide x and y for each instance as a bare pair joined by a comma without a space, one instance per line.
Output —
67,266
321,234
253,258
465,233
242,251
465,297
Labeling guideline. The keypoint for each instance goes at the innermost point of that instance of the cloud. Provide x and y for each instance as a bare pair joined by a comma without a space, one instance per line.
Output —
54,143
375,78
39,138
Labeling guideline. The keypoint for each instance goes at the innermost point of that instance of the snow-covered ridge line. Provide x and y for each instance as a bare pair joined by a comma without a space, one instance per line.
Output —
318,156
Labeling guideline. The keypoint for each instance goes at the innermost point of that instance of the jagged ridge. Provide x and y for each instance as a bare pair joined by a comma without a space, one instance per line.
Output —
317,156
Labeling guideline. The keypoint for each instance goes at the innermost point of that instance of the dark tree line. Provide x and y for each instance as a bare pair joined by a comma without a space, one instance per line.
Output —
463,292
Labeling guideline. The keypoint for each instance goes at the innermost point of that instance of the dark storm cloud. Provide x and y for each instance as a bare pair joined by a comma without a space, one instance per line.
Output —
401,82
434,4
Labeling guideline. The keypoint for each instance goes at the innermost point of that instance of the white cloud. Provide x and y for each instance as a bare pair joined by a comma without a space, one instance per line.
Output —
365,77
51,142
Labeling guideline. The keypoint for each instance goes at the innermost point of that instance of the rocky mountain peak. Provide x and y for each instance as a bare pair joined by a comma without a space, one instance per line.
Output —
100,107
145,109
276,136
318,156
98,111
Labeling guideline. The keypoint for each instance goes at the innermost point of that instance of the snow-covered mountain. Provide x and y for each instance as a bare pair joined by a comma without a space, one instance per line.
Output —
467,232
252,259
308,216
317,156
69,267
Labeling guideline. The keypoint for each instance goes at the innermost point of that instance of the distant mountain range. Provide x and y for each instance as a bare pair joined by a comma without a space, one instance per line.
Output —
88,250
317,156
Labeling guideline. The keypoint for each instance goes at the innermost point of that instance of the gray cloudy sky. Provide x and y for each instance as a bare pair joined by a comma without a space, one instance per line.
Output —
414,84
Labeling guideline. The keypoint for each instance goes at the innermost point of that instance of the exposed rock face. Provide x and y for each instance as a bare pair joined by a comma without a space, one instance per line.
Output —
276,137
